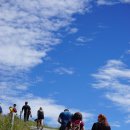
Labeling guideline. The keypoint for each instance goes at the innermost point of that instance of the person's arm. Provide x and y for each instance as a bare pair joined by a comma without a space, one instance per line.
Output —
37,113
22,109
59,119
43,114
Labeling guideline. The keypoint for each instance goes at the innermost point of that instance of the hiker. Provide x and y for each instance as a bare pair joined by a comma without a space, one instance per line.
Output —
64,118
27,111
40,118
0,109
12,113
76,122
102,123
13,109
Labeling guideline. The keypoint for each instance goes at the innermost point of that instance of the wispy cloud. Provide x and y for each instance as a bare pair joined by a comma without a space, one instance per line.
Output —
50,107
101,26
82,40
107,2
62,71
111,2
127,121
28,31
72,30
115,78
115,124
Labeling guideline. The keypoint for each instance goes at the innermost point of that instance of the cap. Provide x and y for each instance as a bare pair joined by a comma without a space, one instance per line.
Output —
66,109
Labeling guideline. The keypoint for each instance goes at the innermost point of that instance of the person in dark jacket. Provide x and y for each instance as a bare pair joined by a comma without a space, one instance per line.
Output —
27,111
102,123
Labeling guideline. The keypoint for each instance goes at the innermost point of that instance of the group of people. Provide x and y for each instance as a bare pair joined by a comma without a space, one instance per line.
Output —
27,113
74,121
67,120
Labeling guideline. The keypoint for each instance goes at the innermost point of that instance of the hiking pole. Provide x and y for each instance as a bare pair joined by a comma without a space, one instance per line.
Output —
20,114
12,120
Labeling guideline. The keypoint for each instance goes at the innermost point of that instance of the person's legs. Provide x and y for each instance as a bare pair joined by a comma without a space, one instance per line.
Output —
41,124
38,123
25,117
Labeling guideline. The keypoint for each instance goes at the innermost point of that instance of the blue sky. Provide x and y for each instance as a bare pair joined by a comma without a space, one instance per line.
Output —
67,54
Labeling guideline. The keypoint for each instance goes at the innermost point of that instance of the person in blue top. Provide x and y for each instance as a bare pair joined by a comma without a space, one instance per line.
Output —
0,109
64,118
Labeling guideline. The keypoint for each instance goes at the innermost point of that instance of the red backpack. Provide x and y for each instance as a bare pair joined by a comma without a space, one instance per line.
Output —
76,125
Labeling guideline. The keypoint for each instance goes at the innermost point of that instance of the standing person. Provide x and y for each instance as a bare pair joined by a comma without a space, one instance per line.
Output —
40,118
13,110
76,122
27,111
1,109
64,118
102,123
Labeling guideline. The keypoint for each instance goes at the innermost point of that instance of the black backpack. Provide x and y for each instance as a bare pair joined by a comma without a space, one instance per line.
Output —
40,114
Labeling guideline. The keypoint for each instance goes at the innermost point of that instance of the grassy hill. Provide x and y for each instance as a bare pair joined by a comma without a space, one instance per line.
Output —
5,124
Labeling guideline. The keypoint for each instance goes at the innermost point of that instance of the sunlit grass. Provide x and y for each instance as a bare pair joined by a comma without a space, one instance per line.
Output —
5,123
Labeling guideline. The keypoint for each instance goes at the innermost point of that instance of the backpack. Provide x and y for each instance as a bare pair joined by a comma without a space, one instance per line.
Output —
76,125
14,110
40,114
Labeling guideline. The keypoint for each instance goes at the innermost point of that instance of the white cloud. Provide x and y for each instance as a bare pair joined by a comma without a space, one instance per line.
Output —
62,71
115,124
107,2
82,40
73,30
28,30
115,78
112,2
50,107
127,121
125,1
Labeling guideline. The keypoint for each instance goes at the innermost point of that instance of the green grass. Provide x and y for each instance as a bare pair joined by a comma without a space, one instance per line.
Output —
5,124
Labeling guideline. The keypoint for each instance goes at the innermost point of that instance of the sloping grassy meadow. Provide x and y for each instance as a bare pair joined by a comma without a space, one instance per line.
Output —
5,123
